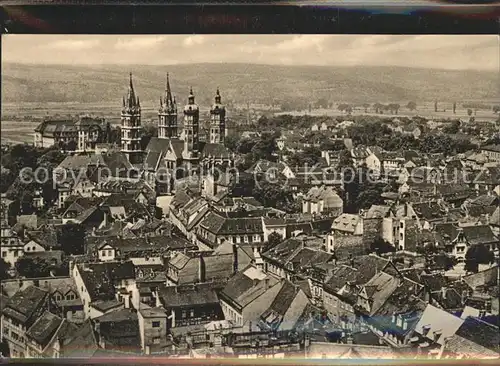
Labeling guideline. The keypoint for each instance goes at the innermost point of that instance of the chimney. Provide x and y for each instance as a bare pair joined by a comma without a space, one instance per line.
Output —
443,292
267,283
235,258
201,269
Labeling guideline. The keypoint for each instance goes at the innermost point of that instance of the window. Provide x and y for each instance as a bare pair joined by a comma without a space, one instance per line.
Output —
155,324
191,313
4,254
183,314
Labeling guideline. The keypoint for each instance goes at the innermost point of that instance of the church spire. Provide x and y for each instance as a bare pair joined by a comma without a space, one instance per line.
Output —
169,101
132,101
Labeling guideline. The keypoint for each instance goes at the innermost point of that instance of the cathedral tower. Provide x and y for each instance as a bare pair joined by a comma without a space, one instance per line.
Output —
217,121
131,126
191,128
167,115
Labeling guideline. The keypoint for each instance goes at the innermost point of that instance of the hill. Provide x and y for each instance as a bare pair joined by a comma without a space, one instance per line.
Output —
245,82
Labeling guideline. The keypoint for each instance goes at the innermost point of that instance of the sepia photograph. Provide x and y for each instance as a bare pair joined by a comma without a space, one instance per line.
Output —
208,196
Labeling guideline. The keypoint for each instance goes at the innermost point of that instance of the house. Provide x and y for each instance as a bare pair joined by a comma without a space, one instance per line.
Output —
189,305
348,224
286,309
84,132
62,291
248,294
186,211
474,339
460,239
19,314
491,151
12,247
433,330
84,211
216,266
341,287
105,281
292,256
391,306
45,337
215,228
322,200
153,329
359,155
274,225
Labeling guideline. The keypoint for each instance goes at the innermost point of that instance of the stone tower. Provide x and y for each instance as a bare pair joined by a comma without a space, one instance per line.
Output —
131,126
167,115
191,128
217,121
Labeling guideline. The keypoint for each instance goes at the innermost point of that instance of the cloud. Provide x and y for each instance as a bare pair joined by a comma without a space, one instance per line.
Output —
193,41
474,52
299,43
74,45
142,42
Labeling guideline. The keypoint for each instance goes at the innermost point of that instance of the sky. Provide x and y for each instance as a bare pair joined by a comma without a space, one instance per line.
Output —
455,52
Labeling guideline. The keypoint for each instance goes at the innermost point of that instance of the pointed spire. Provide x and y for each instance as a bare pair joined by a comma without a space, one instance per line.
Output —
131,98
169,101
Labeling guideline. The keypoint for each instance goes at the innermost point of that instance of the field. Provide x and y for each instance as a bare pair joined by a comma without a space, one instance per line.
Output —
424,110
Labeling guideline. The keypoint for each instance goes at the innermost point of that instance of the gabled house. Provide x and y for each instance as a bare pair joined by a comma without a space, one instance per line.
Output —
286,309
19,313
186,211
391,306
248,294
322,201
474,339
45,337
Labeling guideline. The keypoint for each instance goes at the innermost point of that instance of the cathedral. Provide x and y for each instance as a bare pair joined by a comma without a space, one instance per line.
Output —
178,150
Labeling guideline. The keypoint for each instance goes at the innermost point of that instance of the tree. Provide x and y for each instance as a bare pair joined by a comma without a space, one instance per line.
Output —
411,106
469,112
310,156
496,109
265,148
71,238
29,267
272,240
4,269
231,142
149,131
71,145
380,246
453,128
476,255
332,145
454,107
435,106
366,106
245,145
